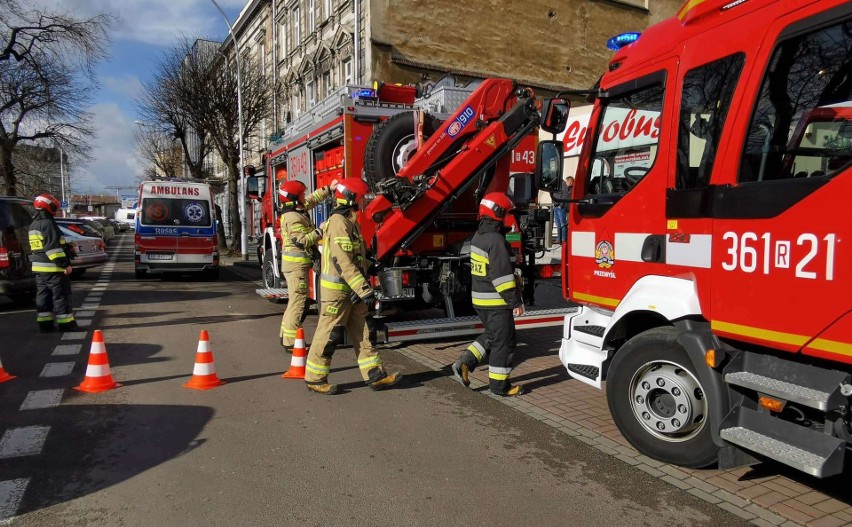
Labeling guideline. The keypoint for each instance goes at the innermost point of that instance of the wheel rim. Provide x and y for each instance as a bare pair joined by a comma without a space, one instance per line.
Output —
269,275
668,401
402,152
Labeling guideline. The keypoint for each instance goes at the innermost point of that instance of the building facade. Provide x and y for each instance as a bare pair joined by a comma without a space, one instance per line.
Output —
309,49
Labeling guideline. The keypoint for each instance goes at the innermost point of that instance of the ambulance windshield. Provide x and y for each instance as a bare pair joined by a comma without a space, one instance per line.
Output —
175,212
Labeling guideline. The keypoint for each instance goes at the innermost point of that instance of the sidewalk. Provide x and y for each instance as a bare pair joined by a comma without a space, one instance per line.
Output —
766,494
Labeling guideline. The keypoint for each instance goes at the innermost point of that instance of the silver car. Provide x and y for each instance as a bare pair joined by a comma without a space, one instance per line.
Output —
88,251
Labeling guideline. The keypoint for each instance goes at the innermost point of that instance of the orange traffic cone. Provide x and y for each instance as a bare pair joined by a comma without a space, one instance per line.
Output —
98,377
3,375
300,357
204,373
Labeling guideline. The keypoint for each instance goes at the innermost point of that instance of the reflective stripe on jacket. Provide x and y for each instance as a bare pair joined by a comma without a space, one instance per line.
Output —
493,279
47,245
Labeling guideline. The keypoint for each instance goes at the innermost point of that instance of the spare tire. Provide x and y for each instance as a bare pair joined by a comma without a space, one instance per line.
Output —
391,145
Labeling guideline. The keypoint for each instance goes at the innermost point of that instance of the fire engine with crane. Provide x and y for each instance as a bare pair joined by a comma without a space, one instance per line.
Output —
428,160
709,239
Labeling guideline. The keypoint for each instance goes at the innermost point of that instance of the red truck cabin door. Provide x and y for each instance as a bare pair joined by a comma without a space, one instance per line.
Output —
623,182
782,228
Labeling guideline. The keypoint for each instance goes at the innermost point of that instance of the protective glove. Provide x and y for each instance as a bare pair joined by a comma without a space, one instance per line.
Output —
333,185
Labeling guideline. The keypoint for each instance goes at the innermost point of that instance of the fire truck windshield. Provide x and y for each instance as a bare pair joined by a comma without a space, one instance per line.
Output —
626,141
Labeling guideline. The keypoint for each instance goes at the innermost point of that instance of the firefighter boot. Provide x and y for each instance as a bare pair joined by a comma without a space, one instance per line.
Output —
322,388
461,372
386,382
512,391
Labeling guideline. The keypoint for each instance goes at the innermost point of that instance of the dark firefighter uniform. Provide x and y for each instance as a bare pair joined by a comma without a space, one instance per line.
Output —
495,294
49,262
344,295
299,237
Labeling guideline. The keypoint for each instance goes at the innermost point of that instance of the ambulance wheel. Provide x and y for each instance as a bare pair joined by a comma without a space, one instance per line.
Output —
657,401
391,145
270,280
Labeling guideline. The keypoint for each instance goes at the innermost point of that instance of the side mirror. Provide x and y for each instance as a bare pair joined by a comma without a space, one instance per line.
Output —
548,166
554,115
255,187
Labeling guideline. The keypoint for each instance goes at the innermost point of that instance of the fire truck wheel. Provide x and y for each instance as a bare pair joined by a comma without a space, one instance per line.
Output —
391,145
270,280
657,401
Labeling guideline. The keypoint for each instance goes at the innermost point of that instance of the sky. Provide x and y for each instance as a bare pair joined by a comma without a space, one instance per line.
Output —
144,31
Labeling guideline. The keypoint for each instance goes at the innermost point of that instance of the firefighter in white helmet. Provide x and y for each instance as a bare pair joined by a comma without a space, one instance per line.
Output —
345,294
496,298
299,238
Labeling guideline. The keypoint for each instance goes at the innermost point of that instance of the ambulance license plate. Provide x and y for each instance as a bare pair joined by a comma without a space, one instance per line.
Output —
160,256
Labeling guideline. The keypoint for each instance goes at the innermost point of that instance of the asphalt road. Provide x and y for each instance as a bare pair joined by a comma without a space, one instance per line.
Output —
261,450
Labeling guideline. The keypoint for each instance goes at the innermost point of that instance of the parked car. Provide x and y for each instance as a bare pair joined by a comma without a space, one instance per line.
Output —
83,227
126,217
109,230
118,226
16,276
86,251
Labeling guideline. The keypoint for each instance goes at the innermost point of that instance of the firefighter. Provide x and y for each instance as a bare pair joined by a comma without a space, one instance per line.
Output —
299,236
345,295
496,298
52,267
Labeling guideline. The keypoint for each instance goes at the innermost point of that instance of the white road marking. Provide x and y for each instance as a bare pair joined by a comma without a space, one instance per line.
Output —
57,369
84,323
24,441
74,335
11,495
84,314
67,349
90,306
37,399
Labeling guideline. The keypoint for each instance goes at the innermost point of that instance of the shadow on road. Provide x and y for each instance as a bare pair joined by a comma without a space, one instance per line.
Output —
93,447
213,319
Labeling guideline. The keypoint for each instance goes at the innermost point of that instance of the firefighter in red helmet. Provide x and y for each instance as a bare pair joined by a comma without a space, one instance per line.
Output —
496,298
299,239
345,294
51,266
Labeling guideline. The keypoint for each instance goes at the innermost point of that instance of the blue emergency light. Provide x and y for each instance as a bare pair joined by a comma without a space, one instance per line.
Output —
619,41
365,93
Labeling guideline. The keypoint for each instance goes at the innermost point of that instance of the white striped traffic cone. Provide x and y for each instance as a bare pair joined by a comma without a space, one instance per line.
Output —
204,373
300,357
98,377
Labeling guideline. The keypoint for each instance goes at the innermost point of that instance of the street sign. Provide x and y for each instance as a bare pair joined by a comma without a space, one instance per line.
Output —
64,205
128,199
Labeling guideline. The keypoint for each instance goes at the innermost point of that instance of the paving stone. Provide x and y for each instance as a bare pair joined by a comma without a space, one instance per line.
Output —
676,482
831,506
766,515
706,496
650,470
827,521
733,509
674,472
792,514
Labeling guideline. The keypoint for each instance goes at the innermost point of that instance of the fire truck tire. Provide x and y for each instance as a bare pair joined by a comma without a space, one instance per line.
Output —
391,144
657,401
270,280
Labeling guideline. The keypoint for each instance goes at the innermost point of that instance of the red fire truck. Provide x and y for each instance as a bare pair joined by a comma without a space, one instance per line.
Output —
428,160
709,242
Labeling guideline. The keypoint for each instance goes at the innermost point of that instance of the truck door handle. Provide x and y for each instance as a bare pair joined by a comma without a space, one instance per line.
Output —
654,249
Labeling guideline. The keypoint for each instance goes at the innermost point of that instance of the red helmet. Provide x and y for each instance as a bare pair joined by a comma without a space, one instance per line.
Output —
292,193
495,205
47,203
350,191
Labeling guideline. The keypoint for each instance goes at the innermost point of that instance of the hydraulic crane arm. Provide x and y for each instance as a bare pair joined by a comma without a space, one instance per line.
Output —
486,127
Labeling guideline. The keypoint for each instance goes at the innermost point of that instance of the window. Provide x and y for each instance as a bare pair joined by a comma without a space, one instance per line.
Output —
347,72
284,40
311,94
329,8
802,122
175,212
326,81
626,140
706,98
263,57
312,15
297,27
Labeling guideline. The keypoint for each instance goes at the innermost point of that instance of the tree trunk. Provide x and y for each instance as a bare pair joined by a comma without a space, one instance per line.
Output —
233,195
8,181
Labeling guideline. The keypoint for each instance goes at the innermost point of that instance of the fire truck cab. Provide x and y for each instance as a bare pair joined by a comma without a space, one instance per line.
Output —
709,238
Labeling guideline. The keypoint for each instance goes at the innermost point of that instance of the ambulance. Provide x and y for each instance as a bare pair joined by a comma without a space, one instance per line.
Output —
176,229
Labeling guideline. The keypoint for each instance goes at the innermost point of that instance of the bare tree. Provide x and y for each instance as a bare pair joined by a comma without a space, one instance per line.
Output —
158,150
46,75
161,105
203,83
